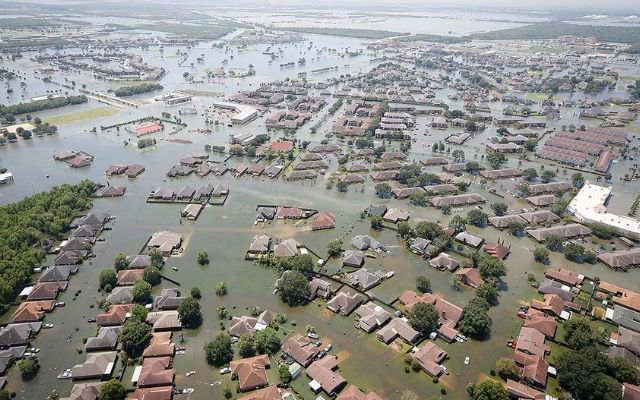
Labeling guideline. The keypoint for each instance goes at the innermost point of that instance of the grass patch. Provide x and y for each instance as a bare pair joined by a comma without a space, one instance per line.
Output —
539,96
84,115
201,93
205,32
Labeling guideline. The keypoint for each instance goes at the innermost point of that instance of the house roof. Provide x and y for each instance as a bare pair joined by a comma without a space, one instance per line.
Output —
160,345
32,311
372,316
246,325
18,334
323,220
470,276
129,276
97,365
121,295
164,320
540,322
322,371
47,290
301,349
268,393
286,248
523,392
345,303
251,371
353,393
398,327
429,357
156,372
154,393
84,391
116,315
531,341
106,339
260,244
353,258
444,261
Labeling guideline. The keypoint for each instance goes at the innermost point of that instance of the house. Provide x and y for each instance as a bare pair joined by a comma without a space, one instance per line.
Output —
569,231
364,242
364,278
191,211
97,366
539,321
251,372
18,334
160,345
166,242
168,299
497,250
520,391
353,393
301,349
164,320
621,258
457,200
57,273
260,244
444,261
266,214
323,220
371,316
121,295
398,328
323,376
84,391
377,210
352,258
112,191
268,393
470,276
127,277
153,393
419,245
287,248
116,315
154,372
429,358
139,261
468,239
245,325
534,368
394,215
7,358
320,288
47,290
345,303
106,339
564,275
32,311
630,391
549,286
531,341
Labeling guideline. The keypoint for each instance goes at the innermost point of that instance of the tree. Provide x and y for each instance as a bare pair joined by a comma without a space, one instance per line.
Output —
446,209
4,395
246,346
141,291
487,389
573,252
419,199
516,228
285,375
152,275
376,222
622,370
156,258
333,248
120,262
135,336
342,186
138,313
221,288
112,390
577,179
475,320
428,230
294,288
499,208
603,231
490,267
195,293
547,176
488,292
267,341
423,284
541,254
423,317
529,174
203,257
28,368
578,333
554,242
590,257
189,312
507,369
496,160
477,217
582,374
530,144
458,224
404,229
302,263
219,352
472,167
107,277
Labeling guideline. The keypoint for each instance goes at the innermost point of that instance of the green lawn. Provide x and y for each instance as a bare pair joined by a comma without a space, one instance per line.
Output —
93,113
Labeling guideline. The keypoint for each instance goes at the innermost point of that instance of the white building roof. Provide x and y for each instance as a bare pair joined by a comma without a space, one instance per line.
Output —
589,206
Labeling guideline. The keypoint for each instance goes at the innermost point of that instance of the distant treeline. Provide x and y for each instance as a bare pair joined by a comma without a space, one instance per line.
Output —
204,32
8,113
425,37
9,45
345,32
137,89
552,30
29,226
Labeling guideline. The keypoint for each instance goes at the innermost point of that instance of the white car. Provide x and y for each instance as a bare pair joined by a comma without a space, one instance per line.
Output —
466,360
225,370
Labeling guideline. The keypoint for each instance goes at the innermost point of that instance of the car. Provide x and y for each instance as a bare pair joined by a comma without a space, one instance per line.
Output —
92,319
467,360
174,268
225,370
190,373
328,348
445,371
313,335
522,314
511,343
47,326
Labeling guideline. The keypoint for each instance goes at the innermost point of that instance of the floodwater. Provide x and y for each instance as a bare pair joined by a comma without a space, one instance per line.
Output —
226,231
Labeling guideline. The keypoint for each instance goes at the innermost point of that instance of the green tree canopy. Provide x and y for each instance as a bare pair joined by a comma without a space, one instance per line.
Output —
219,352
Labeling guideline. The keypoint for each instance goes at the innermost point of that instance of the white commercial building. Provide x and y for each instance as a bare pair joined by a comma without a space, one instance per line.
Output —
589,206
243,112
